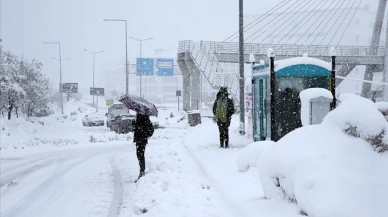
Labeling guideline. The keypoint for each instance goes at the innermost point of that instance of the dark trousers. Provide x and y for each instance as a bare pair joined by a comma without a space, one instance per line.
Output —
140,149
224,135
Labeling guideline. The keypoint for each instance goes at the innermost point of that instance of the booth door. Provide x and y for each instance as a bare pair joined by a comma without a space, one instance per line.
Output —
260,111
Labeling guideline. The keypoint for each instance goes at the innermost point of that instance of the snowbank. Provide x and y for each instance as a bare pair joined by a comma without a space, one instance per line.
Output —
305,97
247,157
327,172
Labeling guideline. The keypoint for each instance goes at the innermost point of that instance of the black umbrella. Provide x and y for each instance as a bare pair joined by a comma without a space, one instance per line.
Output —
139,105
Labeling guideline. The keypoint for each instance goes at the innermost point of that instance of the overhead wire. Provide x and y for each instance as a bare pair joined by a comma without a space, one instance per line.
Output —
327,15
288,33
328,22
309,15
342,22
308,29
282,16
235,35
350,21
300,12
331,27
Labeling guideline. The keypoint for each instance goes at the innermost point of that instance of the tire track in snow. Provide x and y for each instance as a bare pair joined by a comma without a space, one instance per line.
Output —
236,210
117,200
35,194
44,162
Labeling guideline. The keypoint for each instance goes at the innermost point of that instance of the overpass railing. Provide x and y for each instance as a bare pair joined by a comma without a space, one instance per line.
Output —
281,49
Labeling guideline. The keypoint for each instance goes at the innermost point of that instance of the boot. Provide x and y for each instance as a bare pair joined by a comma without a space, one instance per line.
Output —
221,144
142,173
227,144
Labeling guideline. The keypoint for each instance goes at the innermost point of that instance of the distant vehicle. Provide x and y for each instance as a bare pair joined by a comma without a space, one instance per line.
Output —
113,111
93,120
41,112
122,123
155,122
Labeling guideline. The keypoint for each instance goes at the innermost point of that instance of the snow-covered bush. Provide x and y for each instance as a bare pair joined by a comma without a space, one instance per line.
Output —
331,169
359,117
248,156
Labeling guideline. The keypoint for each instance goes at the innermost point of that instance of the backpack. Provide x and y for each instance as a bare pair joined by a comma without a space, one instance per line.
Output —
150,130
222,109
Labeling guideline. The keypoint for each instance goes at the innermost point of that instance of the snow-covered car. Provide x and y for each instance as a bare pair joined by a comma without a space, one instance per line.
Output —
93,120
122,123
114,111
40,112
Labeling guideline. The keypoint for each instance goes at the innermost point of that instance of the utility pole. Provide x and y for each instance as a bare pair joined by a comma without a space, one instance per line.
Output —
126,53
60,71
241,64
94,62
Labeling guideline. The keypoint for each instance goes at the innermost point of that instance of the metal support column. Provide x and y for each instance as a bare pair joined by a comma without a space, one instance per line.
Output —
366,87
385,71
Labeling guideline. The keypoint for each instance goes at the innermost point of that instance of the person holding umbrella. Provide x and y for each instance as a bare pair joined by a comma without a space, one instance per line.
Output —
142,126
142,130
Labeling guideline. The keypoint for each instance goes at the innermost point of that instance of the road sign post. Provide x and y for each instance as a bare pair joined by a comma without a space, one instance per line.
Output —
95,91
178,94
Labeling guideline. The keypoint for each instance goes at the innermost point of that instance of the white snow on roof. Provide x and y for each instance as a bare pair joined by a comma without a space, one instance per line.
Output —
306,96
281,64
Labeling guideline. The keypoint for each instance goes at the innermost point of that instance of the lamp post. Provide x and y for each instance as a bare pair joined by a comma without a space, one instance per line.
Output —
140,41
60,70
126,53
94,61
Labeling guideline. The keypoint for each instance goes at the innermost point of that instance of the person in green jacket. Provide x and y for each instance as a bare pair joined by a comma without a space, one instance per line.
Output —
223,109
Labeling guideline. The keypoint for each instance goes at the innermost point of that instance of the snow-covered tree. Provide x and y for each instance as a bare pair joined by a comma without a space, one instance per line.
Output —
22,84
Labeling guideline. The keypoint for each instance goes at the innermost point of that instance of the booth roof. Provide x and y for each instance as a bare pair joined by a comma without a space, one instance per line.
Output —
281,64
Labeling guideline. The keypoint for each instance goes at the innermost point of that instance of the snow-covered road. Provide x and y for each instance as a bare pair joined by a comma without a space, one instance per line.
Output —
97,179
72,182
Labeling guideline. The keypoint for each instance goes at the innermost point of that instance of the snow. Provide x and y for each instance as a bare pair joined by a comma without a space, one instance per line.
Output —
305,55
281,64
332,52
248,156
305,97
252,58
327,172
270,53
321,169
359,112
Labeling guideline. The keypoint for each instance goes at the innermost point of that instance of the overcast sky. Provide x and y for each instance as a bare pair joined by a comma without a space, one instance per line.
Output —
78,24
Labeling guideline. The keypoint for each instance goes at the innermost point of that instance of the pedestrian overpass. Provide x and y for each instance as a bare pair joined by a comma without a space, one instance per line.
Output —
204,57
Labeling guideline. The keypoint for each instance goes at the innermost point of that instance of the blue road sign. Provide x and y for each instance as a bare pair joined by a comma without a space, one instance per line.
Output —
145,66
165,67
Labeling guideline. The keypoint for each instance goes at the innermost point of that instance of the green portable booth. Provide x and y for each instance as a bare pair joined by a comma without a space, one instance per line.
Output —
290,77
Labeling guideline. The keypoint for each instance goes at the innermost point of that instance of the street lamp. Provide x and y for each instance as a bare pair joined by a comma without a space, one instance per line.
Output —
60,70
94,58
126,52
140,40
